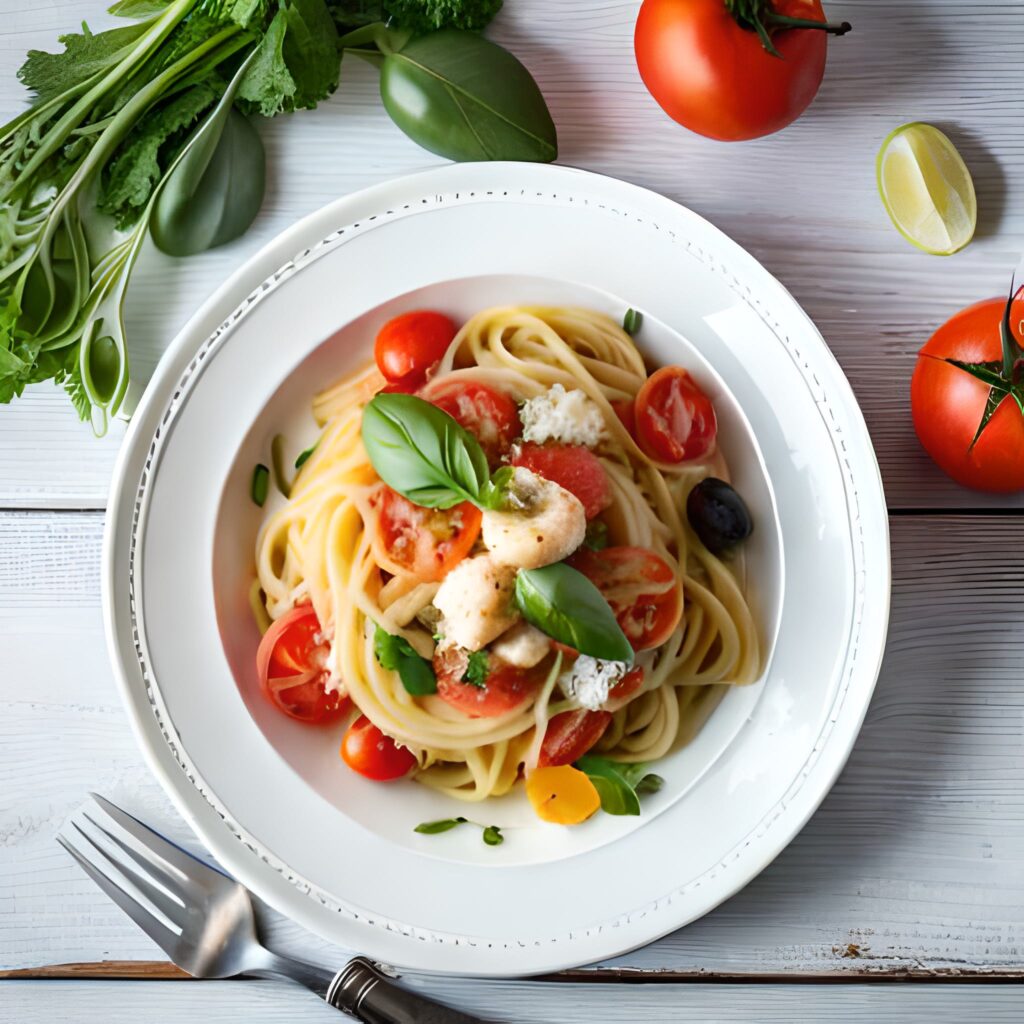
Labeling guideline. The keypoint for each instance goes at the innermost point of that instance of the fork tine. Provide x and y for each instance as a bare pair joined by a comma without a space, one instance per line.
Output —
147,881
174,859
154,928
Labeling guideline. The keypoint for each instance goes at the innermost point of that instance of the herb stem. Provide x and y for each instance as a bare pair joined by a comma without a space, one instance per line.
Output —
58,135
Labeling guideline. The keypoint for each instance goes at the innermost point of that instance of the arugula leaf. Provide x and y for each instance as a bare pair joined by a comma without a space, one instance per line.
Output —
297,63
396,654
563,603
422,452
476,669
618,784
85,53
148,151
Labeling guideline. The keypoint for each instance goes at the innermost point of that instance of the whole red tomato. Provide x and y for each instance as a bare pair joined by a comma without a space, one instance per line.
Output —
949,403
711,68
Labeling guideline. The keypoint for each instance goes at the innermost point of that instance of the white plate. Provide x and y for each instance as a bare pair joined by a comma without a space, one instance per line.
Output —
268,796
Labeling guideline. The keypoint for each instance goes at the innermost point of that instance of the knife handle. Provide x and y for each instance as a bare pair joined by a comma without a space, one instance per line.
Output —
361,990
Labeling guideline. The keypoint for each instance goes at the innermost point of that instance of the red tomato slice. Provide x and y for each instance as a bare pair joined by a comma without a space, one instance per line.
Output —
627,685
675,420
426,542
570,735
573,467
291,665
365,749
506,688
648,618
409,346
490,415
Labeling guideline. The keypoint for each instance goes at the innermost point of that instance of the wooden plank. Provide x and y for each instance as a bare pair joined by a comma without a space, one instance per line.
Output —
255,1002
912,865
803,201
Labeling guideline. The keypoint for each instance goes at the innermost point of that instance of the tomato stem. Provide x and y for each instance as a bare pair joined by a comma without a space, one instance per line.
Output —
758,16
1013,354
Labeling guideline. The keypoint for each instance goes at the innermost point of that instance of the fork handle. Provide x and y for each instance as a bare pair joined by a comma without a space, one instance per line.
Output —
361,990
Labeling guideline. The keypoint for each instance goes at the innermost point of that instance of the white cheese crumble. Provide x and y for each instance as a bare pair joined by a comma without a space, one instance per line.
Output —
589,680
559,415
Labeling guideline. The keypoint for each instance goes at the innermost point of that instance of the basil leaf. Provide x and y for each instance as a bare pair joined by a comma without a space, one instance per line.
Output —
612,783
421,452
214,191
465,98
492,836
396,654
433,828
563,603
631,321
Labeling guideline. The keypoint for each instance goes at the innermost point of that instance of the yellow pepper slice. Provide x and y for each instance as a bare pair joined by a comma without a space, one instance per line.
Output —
562,794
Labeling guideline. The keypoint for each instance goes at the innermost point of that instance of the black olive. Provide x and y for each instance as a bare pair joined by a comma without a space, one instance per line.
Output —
718,515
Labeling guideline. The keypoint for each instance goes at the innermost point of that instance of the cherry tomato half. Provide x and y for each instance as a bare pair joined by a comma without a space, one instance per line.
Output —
505,689
647,619
573,467
291,663
570,735
426,542
409,346
365,749
490,415
675,420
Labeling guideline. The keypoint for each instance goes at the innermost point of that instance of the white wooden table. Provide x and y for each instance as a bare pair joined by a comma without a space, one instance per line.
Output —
913,868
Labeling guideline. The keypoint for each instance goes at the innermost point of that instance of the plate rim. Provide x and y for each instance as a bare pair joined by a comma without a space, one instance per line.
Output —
275,255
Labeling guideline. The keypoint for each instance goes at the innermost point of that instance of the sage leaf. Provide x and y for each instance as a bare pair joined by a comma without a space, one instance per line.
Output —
465,98
214,191
563,603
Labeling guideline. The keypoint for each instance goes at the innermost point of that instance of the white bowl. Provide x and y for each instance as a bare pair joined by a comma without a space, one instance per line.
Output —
270,796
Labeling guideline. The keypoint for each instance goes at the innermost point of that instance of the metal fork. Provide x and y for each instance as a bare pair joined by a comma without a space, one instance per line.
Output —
204,921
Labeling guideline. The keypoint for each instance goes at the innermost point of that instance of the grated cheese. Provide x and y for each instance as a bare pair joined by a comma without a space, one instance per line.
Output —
559,415
589,680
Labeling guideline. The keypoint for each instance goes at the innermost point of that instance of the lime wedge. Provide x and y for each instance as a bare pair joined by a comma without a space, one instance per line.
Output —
927,189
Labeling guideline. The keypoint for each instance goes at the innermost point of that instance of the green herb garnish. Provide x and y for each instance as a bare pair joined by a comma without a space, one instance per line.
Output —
143,127
303,457
618,784
563,603
260,484
596,537
491,834
396,654
631,322
476,669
